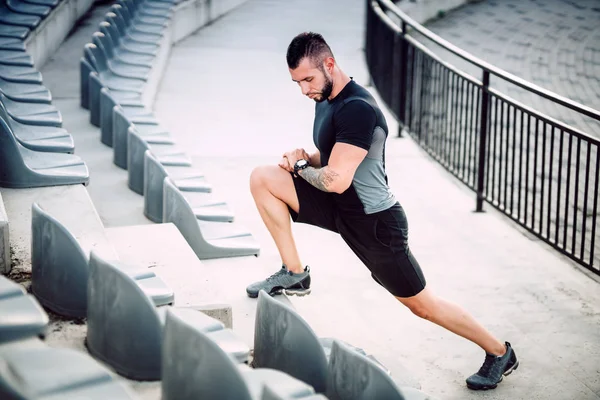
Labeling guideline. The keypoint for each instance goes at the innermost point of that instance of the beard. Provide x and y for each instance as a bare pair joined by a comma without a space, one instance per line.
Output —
327,88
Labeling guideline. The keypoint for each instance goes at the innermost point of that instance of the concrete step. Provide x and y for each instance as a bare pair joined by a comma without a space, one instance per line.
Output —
71,205
163,249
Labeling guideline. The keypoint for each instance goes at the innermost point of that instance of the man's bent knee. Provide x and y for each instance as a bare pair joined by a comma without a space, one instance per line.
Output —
421,306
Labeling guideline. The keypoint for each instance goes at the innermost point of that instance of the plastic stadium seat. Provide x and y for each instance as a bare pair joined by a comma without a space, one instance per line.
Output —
7,43
20,314
136,112
160,144
121,122
11,57
21,7
119,54
39,138
20,74
60,269
25,92
21,167
44,373
195,366
12,31
49,3
352,376
289,347
122,68
185,178
94,87
125,330
110,80
32,113
13,18
270,393
208,239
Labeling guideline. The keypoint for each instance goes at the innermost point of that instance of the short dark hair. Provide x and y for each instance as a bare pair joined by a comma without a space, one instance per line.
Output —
307,44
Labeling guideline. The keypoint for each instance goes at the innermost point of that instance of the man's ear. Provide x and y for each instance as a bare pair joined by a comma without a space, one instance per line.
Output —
329,63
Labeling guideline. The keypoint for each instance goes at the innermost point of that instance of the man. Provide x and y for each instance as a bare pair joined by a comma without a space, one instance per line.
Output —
343,188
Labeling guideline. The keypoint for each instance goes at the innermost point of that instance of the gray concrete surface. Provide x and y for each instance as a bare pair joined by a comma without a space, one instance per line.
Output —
5,265
240,109
228,98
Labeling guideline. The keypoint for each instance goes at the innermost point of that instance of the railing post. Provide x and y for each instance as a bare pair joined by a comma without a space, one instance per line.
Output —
483,125
403,78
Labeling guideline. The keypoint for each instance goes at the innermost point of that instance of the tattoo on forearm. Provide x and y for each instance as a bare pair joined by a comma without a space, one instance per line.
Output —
321,178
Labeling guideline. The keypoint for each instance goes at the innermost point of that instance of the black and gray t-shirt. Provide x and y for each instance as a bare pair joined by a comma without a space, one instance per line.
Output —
353,117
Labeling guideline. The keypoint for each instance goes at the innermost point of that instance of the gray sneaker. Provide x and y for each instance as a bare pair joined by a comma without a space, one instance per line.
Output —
283,281
493,369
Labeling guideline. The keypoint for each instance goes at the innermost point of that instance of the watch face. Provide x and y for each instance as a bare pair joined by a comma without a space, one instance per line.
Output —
301,163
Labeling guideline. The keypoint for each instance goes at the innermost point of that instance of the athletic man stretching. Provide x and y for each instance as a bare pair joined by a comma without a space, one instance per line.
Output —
343,188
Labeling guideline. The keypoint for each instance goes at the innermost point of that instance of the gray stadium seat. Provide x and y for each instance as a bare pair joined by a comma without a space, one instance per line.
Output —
186,178
49,3
121,122
124,327
10,57
122,44
22,7
60,269
144,28
13,31
22,168
196,367
271,393
126,41
32,113
20,74
208,239
108,79
45,373
25,92
160,144
119,54
59,266
187,317
10,17
20,314
94,85
352,376
39,138
289,346
9,43
122,68
136,112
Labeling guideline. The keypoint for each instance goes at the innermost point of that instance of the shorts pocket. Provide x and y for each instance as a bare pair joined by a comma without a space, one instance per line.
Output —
382,233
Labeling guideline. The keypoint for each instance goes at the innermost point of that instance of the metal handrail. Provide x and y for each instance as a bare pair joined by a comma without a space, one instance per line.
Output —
548,94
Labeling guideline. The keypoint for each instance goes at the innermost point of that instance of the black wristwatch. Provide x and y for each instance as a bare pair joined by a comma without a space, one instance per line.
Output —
301,164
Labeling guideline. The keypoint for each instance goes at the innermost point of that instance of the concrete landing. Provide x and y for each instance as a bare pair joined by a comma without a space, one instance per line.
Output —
227,96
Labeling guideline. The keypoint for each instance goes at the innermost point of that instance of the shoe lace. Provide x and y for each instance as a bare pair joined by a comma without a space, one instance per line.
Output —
487,365
277,274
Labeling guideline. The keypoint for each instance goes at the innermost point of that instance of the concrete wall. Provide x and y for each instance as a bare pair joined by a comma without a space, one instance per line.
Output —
52,31
192,15
424,10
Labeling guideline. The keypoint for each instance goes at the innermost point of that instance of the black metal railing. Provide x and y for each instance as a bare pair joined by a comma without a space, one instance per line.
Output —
539,171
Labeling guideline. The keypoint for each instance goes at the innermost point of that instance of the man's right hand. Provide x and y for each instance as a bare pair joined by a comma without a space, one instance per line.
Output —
290,158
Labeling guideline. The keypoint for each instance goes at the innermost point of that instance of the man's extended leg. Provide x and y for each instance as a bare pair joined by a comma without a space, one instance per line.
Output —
500,359
454,318
273,191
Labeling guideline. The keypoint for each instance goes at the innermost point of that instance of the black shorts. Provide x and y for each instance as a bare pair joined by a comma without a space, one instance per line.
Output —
380,240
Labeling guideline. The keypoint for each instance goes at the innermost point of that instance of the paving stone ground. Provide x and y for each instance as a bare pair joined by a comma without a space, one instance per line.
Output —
552,43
